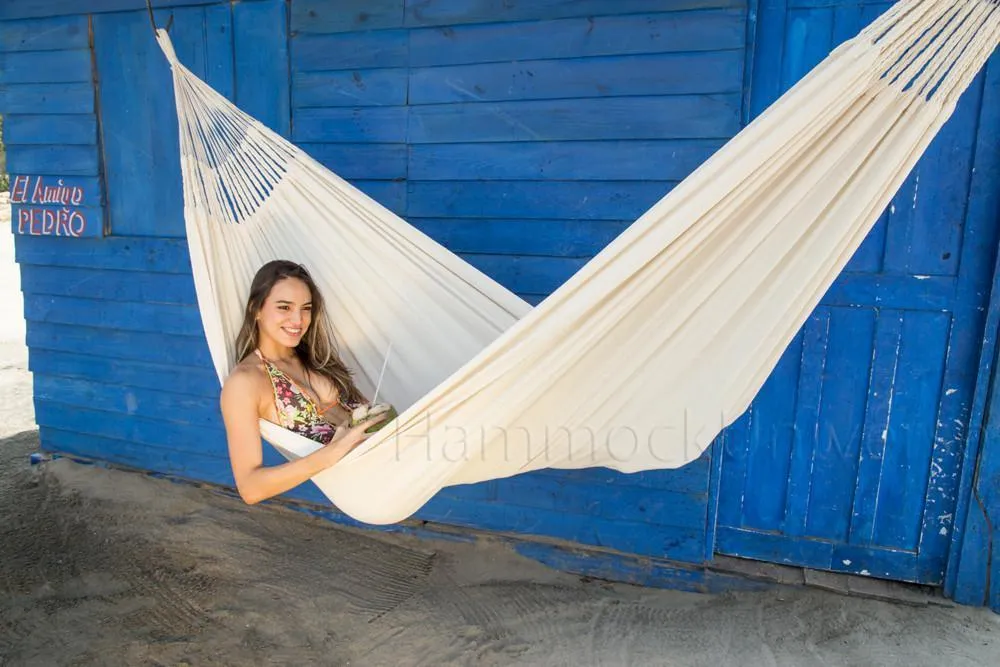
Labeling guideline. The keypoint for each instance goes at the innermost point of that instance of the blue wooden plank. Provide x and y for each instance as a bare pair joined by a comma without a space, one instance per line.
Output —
351,50
447,12
45,66
219,50
51,129
847,21
108,285
583,200
953,429
180,352
892,291
127,401
657,74
768,52
391,194
690,479
320,16
808,39
928,238
182,439
113,253
183,379
910,437
885,365
659,508
45,34
362,161
41,8
192,465
774,548
628,536
735,452
135,94
881,563
708,30
382,124
834,471
772,440
534,275
570,161
47,98
59,221
967,568
562,238
868,257
808,403
470,492
261,56
819,554
807,4
357,88
671,117
61,160
959,421
148,317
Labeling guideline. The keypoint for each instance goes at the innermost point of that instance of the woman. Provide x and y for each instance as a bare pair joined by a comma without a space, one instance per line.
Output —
290,375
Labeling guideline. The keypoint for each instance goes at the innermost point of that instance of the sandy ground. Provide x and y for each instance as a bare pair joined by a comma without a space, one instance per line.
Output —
105,567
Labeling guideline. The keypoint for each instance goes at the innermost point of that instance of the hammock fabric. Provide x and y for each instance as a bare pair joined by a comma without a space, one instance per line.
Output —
640,359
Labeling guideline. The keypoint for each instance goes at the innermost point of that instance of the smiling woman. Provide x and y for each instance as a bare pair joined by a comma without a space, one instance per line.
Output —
289,374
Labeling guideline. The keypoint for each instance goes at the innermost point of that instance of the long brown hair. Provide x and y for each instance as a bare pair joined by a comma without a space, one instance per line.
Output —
317,350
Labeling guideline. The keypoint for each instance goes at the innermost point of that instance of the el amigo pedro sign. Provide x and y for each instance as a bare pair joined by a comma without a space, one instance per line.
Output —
53,206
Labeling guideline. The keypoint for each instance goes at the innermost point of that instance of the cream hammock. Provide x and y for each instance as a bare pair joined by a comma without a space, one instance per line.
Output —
640,359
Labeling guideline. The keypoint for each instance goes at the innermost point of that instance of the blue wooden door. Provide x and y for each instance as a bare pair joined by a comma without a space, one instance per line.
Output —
849,458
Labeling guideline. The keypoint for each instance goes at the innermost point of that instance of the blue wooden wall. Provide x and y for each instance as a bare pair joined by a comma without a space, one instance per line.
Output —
524,136
850,458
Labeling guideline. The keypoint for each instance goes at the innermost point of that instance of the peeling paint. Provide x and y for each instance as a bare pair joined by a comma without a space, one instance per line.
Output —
949,392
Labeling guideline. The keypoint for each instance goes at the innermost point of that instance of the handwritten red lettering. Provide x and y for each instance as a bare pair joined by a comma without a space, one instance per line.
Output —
77,223
49,222
19,190
60,193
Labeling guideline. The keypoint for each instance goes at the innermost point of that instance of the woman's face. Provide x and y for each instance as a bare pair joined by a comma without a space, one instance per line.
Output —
286,313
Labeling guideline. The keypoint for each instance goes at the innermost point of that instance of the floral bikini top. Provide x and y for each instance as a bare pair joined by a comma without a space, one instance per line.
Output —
296,409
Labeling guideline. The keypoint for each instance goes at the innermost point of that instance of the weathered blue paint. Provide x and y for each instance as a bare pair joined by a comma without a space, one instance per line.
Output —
849,459
53,33
524,136
41,9
974,563
260,48
65,130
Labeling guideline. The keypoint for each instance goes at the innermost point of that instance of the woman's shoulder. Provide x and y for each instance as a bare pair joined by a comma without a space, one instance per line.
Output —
247,378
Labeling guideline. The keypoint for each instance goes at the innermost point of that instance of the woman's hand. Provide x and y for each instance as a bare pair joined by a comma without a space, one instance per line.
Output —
346,438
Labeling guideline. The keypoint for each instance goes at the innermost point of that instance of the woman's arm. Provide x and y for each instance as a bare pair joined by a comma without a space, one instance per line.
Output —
254,481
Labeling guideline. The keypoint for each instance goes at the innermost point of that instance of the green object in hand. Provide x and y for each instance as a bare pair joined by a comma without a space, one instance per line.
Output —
362,413
392,415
